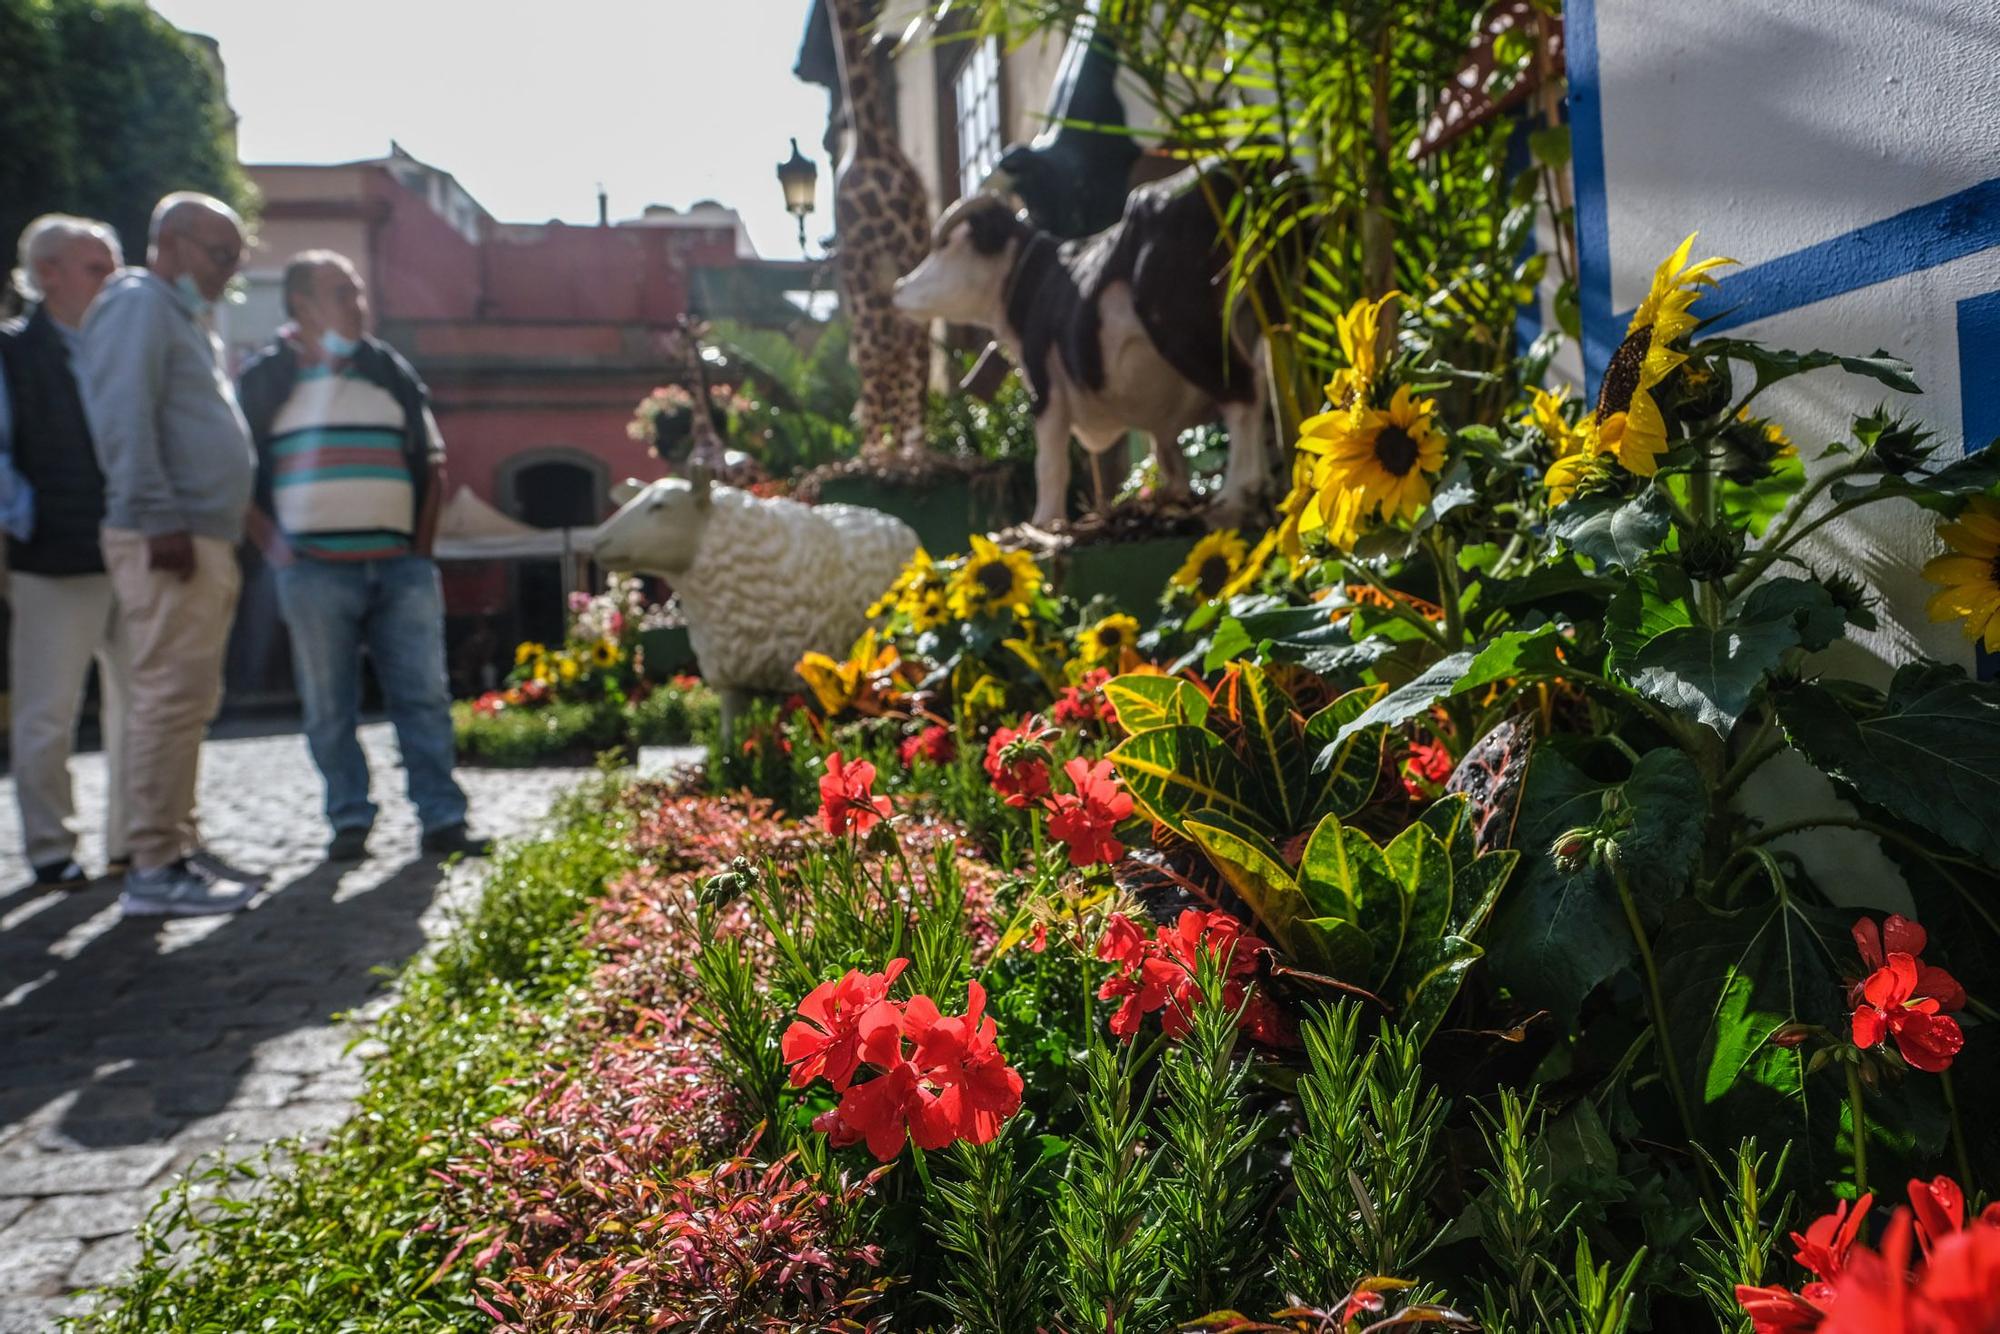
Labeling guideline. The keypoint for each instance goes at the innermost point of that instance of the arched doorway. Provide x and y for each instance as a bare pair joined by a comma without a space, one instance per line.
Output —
551,489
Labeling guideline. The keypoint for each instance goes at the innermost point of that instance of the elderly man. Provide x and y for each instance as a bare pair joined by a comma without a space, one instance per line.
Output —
350,476
64,611
178,469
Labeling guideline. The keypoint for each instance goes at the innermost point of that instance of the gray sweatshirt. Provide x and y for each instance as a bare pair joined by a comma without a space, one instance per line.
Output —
170,438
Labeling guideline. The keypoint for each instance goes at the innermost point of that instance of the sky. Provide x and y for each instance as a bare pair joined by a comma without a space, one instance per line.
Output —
530,105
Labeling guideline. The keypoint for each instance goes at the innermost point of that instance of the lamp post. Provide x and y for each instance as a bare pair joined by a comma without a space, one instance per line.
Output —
800,179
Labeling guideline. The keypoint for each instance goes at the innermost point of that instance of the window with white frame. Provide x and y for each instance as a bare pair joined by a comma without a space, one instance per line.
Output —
976,92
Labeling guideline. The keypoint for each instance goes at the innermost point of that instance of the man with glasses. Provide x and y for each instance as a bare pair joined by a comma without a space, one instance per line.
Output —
178,469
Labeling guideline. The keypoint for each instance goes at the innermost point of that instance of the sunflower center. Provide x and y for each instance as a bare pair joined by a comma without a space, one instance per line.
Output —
1214,574
1621,377
1109,637
996,579
1395,450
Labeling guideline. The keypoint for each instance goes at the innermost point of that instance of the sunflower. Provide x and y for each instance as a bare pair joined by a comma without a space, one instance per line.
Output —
1577,445
992,580
1647,357
1108,639
1253,565
1212,564
1360,334
1336,516
606,654
1386,454
528,651
918,595
1637,436
568,668
863,681
1969,572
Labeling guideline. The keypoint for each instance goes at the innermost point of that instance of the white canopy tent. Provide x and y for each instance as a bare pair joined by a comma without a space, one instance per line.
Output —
470,529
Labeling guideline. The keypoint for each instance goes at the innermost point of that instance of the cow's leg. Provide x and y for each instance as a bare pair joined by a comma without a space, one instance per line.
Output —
1051,467
1246,483
1173,466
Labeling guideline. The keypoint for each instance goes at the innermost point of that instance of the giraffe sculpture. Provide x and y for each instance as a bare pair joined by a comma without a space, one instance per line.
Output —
881,222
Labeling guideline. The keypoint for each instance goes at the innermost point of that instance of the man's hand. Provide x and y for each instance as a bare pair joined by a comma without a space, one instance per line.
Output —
171,553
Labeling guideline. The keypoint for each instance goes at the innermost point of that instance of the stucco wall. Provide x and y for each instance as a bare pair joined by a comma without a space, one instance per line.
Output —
1847,152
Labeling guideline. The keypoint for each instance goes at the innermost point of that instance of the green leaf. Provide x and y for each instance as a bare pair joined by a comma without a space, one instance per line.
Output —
1342,874
1428,981
1230,642
1476,888
1145,701
1662,846
1803,603
1710,675
1611,532
1175,772
1550,145
1515,653
1450,818
1257,872
1943,491
1272,740
1930,754
1647,605
1336,947
1773,364
1455,490
1423,872
1350,763
1756,504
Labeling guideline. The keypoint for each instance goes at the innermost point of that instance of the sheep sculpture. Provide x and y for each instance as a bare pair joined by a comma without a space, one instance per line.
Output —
761,582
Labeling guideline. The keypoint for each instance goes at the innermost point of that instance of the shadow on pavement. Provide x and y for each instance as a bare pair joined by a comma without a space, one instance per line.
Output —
152,1026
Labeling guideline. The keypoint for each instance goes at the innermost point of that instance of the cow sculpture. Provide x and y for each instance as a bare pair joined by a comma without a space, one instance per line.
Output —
1122,331
761,582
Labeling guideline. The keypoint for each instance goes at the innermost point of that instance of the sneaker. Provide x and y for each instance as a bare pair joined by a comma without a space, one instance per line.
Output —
65,874
180,890
217,871
453,840
348,845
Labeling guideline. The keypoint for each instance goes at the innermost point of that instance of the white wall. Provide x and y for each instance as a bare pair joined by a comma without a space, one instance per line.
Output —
1847,152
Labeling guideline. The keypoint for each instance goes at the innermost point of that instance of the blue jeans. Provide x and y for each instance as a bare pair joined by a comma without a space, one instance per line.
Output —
395,609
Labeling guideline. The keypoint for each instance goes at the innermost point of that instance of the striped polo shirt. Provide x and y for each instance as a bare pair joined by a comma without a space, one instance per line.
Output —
340,481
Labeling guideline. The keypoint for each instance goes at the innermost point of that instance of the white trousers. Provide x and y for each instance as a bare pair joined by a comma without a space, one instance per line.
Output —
60,623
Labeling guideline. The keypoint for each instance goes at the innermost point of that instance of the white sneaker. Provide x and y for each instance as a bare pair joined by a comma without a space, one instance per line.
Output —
205,863
179,890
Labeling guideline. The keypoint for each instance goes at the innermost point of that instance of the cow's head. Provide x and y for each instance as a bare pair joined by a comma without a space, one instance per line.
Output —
657,528
964,278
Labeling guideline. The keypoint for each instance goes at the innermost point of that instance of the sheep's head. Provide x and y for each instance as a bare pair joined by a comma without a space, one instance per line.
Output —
657,528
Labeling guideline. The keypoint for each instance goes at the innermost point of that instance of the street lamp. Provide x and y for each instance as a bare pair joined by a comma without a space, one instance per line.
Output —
800,178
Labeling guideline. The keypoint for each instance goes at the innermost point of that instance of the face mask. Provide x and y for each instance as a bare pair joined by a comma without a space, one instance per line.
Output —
337,346
192,294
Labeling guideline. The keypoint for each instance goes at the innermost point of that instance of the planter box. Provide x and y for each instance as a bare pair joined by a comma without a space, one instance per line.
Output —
948,512
668,652
1131,574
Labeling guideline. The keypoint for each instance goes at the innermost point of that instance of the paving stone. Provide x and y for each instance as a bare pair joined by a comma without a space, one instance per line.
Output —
83,1217
62,1173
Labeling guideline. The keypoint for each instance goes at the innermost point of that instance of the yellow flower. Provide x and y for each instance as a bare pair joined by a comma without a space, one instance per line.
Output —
1360,334
1775,439
838,686
986,696
917,595
1636,437
1969,573
1108,639
1212,564
1253,565
568,668
1336,516
1665,313
1577,445
1387,454
544,672
992,580
528,651
606,653
1647,357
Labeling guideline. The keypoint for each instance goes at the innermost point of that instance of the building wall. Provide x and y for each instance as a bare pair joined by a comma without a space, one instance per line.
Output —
1848,155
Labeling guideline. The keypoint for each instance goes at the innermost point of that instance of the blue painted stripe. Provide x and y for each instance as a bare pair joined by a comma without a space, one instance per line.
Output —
1914,240
346,437
1593,209
305,475
1979,400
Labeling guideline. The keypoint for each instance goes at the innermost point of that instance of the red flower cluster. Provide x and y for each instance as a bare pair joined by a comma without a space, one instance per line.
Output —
1085,818
1955,1289
1160,974
1904,996
1082,703
1425,766
1017,764
934,745
939,1078
847,797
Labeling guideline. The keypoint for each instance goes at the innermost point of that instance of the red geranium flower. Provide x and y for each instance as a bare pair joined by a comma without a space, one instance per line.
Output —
847,798
978,1089
1084,819
1425,766
934,744
1824,1247
1016,765
1083,702
1774,1310
840,1018
1904,996
884,1111
1160,974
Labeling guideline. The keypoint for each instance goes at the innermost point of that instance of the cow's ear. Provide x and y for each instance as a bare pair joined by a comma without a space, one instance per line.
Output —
703,481
623,492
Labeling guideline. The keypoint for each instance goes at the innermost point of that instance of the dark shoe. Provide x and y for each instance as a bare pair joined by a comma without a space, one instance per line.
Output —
205,863
65,874
453,841
348,845
117,866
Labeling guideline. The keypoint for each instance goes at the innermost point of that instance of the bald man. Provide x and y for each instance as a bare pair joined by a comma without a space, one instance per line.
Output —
178,469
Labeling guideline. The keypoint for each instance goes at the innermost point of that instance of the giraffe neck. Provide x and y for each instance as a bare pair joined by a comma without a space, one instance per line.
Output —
867,107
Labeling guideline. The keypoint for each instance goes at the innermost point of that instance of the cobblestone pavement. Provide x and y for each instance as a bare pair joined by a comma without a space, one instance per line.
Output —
128,1049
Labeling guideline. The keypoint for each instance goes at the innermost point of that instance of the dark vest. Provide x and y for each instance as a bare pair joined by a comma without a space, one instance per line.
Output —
52,450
